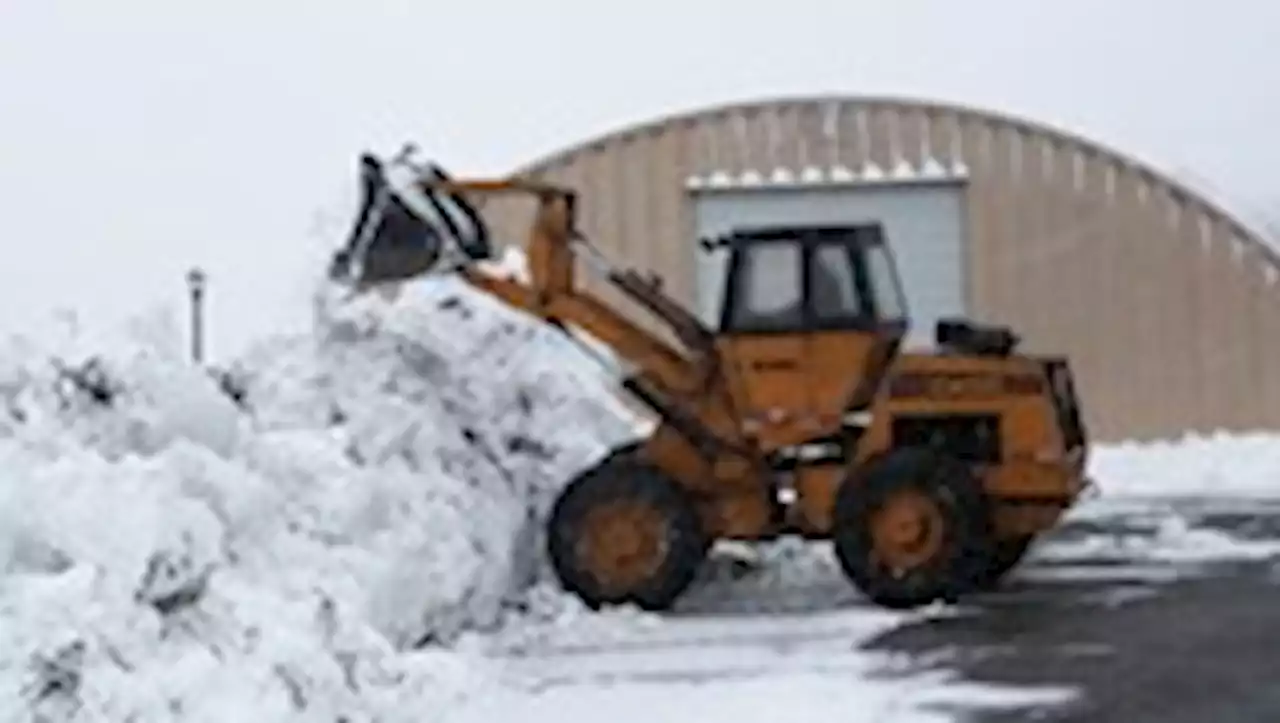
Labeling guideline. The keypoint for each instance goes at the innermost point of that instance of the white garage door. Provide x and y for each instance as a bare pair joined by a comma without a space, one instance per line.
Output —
924,224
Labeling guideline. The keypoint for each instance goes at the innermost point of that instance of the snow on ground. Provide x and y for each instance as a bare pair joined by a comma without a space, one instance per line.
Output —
1166,537
1140,508
752,668
357,538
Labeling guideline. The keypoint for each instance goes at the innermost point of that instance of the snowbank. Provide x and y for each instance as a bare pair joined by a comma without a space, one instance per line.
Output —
171,551
1212,465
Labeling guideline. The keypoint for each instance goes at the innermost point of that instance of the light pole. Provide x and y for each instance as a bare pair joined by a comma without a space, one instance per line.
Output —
196,281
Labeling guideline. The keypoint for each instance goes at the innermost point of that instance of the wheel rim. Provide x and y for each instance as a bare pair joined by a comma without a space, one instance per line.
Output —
907,531
622,545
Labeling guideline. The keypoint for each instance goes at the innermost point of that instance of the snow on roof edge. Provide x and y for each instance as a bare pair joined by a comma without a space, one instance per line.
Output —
931,170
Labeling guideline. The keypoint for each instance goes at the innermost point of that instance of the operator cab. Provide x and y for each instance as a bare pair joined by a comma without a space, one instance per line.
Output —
811,278
812,318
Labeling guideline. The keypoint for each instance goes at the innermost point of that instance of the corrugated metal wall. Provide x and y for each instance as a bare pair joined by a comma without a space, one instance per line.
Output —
1168,308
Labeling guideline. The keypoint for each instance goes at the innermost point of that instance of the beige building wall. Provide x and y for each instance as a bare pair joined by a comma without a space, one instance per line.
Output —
1167,307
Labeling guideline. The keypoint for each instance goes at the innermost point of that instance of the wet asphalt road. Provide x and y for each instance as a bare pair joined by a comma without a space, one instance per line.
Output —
1141,639
1146,610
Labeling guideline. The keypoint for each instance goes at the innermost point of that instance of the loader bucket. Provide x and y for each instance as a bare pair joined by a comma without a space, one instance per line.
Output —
403,230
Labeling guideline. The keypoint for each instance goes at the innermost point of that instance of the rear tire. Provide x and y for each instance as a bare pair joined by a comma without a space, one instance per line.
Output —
1002,557
911,528
624,532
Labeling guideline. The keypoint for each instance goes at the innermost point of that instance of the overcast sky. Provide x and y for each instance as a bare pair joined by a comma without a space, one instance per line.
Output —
138,137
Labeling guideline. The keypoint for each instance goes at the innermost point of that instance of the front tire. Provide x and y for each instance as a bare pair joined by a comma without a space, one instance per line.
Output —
624,532
911,528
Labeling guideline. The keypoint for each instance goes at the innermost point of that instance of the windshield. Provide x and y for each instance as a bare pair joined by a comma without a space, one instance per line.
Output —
886,286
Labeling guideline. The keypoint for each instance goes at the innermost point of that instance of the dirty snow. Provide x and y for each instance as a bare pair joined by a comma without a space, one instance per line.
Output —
357,537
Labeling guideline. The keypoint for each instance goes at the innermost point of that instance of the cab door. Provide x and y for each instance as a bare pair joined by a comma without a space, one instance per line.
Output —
856,320
762,342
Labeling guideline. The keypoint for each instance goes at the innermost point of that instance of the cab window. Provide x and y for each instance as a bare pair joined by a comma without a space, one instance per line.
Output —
886,288
834,288
768,285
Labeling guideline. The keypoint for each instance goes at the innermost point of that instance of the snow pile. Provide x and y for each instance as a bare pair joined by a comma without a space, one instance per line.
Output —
1215,465
273,545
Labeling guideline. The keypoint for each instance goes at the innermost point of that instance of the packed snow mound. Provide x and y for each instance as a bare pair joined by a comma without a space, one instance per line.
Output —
1243,465
276,542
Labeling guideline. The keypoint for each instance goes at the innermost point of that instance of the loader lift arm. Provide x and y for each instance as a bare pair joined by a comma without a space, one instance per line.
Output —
666,379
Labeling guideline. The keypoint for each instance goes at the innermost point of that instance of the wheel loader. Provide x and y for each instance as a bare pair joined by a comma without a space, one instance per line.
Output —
798,413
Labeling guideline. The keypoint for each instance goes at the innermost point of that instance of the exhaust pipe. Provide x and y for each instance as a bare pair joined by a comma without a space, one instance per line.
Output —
406,226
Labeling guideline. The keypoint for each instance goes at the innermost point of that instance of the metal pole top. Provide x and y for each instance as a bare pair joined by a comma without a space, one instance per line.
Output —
196,278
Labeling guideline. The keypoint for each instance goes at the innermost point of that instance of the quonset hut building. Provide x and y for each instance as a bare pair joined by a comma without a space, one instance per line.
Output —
1167,305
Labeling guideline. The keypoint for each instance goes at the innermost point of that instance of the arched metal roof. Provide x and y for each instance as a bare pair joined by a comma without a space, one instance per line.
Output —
1155,177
